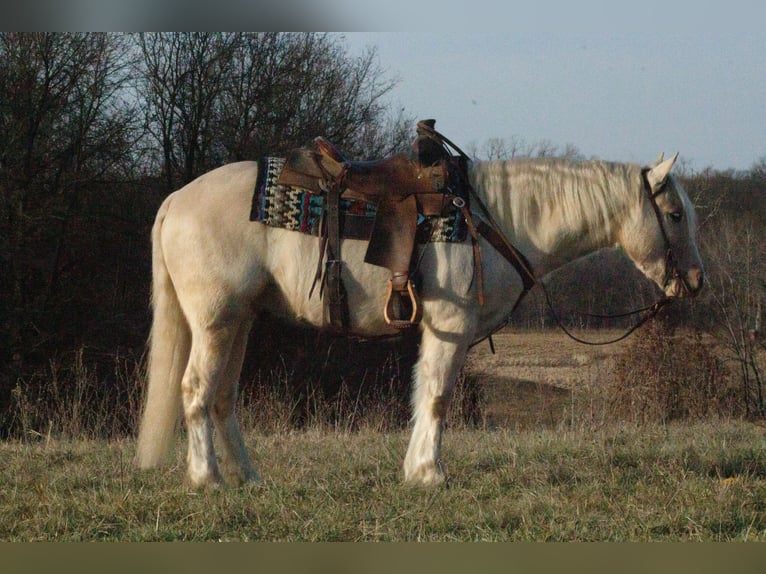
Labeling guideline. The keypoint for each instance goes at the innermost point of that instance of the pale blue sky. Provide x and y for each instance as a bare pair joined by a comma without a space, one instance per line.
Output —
619,80
623,95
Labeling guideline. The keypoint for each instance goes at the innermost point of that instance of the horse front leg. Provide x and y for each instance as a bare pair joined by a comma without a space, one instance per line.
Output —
441,357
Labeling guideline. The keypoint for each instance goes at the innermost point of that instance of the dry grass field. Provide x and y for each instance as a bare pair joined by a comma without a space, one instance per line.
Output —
545,463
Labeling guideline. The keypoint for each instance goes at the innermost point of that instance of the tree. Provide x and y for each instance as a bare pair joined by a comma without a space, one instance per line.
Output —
183,75
81,177
758,171
213,98
66,132
736,271
516,148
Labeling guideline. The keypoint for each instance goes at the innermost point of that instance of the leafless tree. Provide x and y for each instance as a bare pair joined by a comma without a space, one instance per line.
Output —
81,177
213,98
516,147
736,270
183,76
67,137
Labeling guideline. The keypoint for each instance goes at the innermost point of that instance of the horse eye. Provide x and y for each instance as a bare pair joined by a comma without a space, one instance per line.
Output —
675,216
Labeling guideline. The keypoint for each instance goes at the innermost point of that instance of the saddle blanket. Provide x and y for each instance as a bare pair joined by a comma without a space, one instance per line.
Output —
296,209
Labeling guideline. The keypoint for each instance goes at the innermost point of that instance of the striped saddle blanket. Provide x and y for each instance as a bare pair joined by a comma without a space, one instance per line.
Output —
296,209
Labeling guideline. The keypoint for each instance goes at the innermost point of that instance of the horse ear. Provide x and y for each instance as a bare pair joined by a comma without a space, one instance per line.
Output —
659,173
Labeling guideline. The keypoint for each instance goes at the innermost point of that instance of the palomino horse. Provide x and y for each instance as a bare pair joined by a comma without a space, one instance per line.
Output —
214,271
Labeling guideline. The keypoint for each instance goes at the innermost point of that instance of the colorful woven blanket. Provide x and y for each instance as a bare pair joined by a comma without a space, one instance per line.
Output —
299,210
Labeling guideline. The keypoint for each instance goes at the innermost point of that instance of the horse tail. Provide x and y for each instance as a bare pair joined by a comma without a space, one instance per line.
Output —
169,347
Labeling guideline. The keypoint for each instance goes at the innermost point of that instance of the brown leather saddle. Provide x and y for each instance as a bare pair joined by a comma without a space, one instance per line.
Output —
401,186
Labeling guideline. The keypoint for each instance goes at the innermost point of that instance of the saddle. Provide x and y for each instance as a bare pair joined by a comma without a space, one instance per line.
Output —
401,186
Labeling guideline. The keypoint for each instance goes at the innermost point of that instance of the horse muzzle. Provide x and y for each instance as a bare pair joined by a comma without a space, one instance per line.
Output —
688,284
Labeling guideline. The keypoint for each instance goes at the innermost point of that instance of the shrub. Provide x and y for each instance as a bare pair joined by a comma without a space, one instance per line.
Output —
73,398
667,375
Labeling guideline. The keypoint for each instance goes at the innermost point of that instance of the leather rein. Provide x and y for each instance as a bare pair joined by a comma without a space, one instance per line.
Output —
492,233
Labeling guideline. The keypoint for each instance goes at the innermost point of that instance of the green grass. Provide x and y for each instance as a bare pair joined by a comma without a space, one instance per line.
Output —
702,481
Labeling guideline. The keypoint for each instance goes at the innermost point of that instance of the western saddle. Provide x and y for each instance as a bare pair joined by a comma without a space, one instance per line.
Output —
426,181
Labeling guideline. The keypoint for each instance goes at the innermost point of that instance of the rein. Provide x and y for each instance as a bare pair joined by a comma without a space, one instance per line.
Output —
495,237
492,233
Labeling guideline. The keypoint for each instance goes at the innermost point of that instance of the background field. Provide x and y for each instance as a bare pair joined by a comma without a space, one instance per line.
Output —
543,463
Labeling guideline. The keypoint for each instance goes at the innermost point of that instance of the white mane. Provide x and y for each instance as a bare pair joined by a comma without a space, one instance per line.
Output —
573,198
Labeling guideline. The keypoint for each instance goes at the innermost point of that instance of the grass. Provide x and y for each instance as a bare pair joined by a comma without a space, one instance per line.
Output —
570,444
675,482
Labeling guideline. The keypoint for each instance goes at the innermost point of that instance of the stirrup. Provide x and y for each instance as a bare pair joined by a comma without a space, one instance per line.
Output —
400,295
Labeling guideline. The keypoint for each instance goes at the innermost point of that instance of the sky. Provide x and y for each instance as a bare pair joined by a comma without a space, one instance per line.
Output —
618,80
623,95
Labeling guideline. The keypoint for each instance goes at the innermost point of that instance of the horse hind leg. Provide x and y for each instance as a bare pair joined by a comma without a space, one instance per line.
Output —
205,372
235,462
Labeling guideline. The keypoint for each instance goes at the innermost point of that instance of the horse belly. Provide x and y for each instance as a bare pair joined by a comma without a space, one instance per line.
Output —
293,260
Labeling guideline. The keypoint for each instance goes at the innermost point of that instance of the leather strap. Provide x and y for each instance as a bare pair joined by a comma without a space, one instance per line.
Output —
512,255
336,294
490,232
460,203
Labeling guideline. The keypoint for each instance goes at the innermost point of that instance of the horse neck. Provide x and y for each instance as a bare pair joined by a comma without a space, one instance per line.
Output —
555,211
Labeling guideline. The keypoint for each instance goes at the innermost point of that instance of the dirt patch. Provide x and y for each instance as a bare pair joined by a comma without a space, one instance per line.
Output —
535,377
522,404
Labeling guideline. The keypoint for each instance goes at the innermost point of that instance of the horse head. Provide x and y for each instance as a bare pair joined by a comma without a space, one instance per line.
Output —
659,234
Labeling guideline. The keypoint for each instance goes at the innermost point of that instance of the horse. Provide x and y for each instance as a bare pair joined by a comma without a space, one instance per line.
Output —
214,272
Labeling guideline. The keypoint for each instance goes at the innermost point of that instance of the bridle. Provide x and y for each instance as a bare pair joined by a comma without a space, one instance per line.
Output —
493,234
671,262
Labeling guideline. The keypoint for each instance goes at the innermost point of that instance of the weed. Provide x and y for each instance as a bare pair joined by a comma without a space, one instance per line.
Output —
665,377
69,399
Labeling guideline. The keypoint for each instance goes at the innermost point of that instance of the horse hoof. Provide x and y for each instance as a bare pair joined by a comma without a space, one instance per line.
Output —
241,479
426,475
205,482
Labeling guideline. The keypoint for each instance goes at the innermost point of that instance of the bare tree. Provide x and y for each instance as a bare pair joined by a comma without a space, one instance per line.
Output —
736,271
388,135
759,169
66,130
213,98
78,191
183,76
516,147
287,89
506,148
